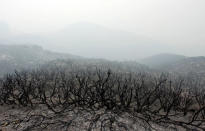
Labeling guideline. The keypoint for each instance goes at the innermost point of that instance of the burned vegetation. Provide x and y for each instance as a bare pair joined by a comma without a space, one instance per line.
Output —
102,98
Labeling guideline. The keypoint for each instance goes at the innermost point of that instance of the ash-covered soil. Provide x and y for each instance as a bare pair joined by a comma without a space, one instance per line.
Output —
25,119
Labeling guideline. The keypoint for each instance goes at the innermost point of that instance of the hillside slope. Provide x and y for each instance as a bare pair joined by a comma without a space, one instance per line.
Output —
188,65
21,56
160,60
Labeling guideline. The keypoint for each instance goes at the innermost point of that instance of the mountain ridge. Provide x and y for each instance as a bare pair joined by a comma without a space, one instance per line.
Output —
92,40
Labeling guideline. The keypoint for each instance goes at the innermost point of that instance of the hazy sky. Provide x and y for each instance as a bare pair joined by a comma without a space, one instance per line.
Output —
173,22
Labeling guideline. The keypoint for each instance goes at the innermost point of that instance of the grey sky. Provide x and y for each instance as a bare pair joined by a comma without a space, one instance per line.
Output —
179,23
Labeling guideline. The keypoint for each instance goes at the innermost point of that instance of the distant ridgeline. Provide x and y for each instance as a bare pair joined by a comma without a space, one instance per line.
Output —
18,57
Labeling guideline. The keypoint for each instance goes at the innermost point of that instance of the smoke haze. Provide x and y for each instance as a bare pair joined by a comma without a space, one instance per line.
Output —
111,29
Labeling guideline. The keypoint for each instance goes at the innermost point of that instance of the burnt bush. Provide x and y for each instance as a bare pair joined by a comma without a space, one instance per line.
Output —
153,98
